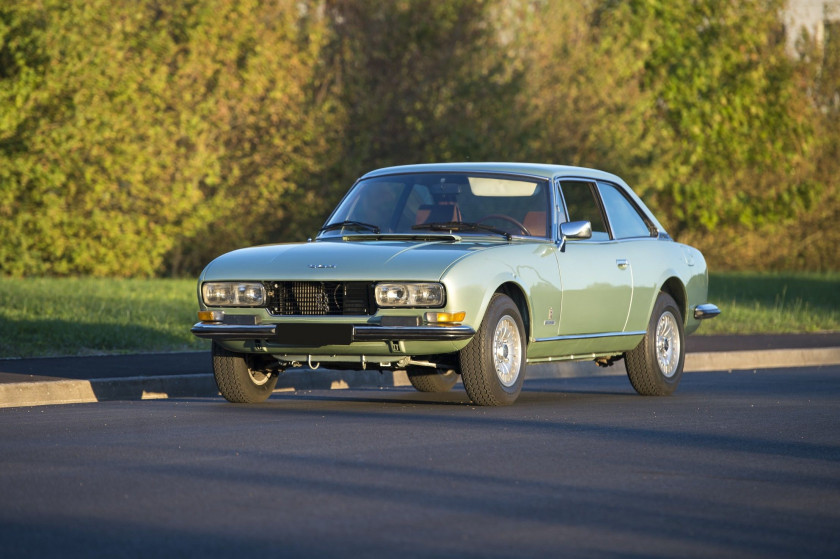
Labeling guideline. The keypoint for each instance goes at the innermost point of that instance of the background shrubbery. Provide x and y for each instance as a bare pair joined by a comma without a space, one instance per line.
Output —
142,138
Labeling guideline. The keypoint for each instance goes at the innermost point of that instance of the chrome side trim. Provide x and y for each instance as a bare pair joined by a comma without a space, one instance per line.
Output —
591,336
706,310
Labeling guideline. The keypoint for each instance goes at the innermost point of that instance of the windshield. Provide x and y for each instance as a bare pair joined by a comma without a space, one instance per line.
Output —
412,204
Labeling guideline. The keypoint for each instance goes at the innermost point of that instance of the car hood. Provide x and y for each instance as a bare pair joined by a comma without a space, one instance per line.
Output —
344,260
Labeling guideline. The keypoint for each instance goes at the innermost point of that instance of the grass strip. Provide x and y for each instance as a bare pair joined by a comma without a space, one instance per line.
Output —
774,303
42,317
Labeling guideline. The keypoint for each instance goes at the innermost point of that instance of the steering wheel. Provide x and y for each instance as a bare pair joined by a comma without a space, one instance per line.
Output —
506,218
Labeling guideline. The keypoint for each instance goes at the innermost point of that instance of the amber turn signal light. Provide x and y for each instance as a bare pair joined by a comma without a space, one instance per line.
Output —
448,317
211,316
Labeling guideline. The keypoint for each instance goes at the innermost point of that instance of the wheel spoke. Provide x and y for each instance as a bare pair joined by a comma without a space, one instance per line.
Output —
667,344
506,351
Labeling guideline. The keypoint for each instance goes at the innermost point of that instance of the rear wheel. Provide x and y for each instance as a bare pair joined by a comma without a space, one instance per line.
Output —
426,379
493,364
239,379
655,366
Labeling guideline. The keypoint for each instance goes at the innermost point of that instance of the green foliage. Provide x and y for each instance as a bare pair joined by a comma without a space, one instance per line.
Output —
582,101
417,83
142,138
709,123
136,130
698,106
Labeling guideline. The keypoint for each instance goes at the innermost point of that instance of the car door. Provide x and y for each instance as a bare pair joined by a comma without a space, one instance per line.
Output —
595,273
637,238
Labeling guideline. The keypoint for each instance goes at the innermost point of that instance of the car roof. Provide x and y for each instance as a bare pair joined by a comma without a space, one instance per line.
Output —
542,170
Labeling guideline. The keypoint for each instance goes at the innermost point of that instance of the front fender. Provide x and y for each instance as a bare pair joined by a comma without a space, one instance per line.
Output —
532,268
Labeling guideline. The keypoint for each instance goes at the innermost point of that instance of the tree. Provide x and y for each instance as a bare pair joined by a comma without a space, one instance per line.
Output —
143,139
420,81
728,144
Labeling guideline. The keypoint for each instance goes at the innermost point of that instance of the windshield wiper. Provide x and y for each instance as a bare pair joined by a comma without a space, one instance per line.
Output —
462,226
349,224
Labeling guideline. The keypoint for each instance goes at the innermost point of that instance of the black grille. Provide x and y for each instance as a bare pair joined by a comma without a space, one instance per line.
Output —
319,298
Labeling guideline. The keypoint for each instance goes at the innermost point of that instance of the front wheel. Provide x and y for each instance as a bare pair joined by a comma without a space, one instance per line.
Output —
493,364
239,380
655,366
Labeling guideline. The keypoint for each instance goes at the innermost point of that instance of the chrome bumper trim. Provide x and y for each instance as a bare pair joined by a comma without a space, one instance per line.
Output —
359,333
411,333
706,310
234,331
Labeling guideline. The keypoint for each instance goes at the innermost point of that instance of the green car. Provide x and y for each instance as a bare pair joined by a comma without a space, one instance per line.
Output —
470,269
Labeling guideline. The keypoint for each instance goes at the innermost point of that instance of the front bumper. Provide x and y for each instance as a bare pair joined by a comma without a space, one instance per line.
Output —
313,334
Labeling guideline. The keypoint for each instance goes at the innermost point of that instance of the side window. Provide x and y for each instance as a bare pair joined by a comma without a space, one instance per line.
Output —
582,204
625,220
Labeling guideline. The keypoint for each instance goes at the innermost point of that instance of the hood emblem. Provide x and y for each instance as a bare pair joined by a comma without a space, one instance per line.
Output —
321,266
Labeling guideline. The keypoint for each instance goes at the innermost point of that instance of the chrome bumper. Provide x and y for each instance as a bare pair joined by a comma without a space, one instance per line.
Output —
707,310
315,335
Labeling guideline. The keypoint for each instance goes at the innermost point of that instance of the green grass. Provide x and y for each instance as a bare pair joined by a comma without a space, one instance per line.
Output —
52,317
752,302
57,317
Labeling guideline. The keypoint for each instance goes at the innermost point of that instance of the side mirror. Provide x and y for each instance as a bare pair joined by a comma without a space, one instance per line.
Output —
574,230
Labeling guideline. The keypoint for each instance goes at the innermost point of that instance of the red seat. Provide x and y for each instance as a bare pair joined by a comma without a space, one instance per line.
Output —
534,222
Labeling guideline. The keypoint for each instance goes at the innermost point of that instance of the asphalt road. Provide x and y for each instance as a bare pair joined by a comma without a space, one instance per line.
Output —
739,464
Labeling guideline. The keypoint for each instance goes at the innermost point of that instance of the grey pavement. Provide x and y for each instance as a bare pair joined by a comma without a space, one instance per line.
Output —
63,380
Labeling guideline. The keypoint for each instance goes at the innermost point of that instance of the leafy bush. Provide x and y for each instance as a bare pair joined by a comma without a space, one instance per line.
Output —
143,138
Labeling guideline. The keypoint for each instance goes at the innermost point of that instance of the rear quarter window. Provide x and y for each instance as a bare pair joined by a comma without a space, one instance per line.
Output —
625,220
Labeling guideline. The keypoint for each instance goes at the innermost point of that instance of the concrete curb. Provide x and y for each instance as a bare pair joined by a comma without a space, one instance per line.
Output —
19,394
51,392
764,359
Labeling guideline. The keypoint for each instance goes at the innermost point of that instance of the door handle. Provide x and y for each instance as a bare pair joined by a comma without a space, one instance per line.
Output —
622,263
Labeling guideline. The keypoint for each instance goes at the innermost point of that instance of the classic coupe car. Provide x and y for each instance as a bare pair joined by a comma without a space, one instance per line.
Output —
473,270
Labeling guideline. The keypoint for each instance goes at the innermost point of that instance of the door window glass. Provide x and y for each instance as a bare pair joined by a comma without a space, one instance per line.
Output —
582,204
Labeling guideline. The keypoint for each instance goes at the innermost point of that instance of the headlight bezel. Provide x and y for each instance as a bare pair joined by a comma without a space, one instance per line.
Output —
233,294
410,294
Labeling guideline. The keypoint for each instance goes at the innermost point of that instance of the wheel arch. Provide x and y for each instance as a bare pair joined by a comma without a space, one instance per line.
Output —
515,292
674,287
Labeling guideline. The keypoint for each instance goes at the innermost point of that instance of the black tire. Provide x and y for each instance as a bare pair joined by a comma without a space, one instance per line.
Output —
237,380
493,364
655,366
425,379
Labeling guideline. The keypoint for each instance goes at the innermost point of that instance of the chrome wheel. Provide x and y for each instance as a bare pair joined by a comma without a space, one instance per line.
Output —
506,348
667,344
